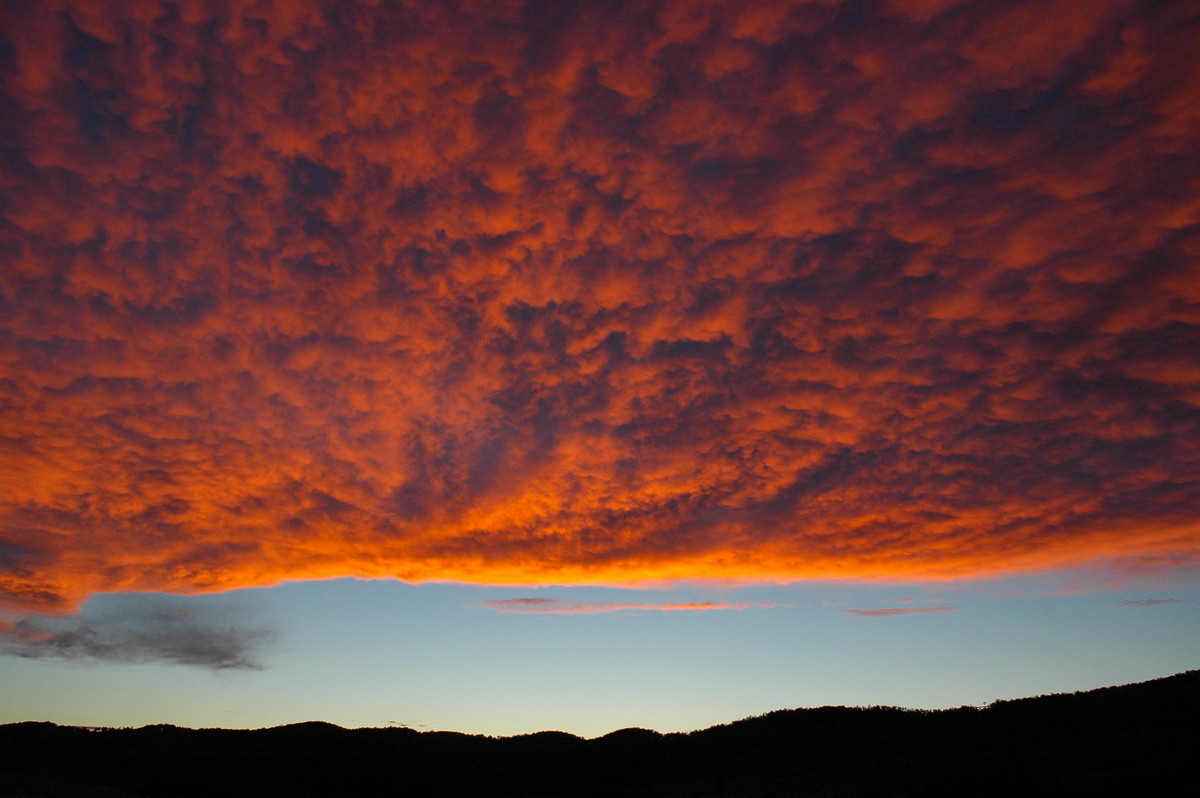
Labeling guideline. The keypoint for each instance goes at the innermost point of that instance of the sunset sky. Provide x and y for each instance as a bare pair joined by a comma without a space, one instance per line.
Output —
504,366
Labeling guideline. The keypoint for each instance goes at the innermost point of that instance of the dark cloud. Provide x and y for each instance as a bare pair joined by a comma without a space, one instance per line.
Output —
1150,602
139,629
536,293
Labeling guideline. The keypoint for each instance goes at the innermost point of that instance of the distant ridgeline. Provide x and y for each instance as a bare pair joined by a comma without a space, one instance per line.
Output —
1139,739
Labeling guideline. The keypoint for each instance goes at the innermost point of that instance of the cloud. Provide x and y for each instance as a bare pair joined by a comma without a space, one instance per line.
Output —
1150,602
138,629
549,606
889,611
404,724
547,294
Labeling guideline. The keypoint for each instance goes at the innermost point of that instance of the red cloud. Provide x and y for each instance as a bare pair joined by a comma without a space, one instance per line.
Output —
537,295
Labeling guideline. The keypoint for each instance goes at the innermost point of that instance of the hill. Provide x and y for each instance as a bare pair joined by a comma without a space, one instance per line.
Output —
1138,739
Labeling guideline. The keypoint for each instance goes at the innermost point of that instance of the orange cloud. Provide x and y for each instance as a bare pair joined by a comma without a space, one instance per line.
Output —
530,293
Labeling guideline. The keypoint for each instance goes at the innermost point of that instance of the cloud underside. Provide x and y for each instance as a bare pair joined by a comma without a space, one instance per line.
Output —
540,293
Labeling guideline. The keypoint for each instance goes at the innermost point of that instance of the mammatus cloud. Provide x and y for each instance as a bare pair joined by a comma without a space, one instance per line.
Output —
888,611
537,293
1150,602
138,629
550,606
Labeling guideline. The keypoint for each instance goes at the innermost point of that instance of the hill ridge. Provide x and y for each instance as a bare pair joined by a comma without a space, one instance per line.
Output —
1127,739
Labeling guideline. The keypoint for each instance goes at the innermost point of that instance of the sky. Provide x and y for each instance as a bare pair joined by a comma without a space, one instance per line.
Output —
506,366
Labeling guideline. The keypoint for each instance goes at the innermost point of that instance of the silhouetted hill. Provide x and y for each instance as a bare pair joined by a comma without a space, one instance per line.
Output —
1138,739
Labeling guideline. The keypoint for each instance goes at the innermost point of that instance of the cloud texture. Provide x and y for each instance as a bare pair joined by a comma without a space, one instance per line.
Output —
541,292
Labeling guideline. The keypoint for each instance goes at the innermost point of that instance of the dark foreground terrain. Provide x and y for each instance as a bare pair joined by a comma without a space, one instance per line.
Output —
1139,739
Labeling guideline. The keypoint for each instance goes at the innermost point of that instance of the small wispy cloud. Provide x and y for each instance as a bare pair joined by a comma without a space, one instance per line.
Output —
886,611
550,606
407,724
143,630
1150,602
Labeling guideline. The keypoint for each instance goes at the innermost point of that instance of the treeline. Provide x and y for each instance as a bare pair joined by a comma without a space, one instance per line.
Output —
1136,739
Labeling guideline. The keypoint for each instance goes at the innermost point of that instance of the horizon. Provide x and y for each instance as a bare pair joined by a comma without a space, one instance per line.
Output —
508,366
316,722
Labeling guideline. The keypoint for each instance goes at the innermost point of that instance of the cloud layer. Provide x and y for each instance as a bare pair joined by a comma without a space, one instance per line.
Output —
561,293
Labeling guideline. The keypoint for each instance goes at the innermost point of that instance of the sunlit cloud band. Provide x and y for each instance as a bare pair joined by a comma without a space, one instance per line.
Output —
542,293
